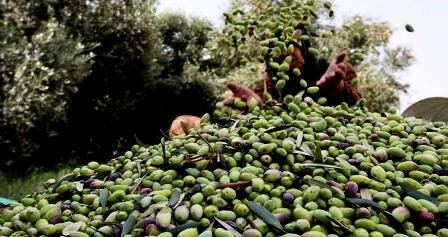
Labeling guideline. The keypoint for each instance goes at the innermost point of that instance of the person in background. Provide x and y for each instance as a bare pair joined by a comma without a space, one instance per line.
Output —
333,78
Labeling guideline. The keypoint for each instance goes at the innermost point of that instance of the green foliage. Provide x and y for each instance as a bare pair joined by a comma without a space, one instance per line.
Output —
184,41
127,52
82,79
46,72
42,67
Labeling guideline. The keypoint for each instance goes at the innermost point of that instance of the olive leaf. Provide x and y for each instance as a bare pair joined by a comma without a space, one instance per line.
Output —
313,182
339,224
178,150
104,195
71,228
174,197
138,184
67,177
373,160
137,140
301,153
314,14
139,167
416,194
307,150
229,228
233,127
181,198
162,141
393,222
441,171
368,147
150,157
128,225
363,202
79,186
184,127
366,194
343,114
299,139
279,128
176,230
431,109
153,208
264,214
318,155
320,165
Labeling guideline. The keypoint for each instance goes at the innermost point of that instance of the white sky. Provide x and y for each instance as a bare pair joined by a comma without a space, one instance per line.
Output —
428,76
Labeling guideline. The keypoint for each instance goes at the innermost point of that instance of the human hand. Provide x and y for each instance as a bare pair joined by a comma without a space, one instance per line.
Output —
336,81
243,93
188,121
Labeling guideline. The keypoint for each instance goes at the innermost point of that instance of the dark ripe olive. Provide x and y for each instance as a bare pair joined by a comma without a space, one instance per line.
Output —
288,197
334,184
425,217
145,191
114,176
351,188
342,145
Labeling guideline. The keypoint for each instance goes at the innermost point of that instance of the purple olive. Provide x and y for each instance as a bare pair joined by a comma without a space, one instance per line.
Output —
363,212
231,223
380,155
322,136
425,217
354,162
149,220
374,137
145,190
342,145
335,184
421,141
56,220
65,207
114,176
351,188
116,231
89,181
288,197
283,218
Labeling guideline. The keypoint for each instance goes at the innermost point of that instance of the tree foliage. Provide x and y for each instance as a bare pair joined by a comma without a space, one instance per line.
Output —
184,41
42,68
84,78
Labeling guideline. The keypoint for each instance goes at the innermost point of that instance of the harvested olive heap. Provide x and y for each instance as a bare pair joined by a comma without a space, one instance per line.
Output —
289,168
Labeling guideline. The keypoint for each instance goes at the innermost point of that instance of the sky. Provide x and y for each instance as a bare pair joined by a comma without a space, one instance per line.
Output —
427,76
